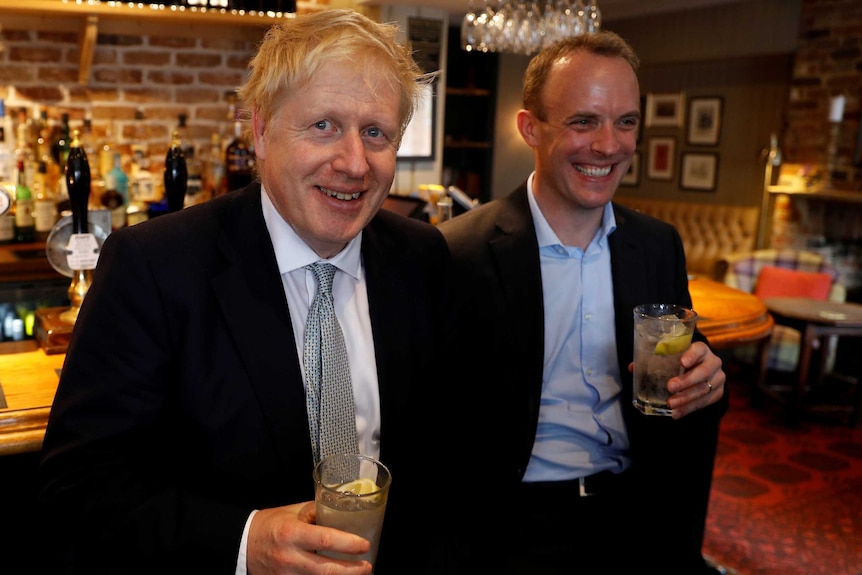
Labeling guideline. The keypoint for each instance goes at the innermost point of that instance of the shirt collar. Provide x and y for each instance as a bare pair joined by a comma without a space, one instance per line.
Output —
547,236
292,253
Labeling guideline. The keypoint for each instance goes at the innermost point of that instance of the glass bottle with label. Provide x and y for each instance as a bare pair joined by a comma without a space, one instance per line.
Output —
7,150
214,175
45,204
239,160
25,228
140,147
7,218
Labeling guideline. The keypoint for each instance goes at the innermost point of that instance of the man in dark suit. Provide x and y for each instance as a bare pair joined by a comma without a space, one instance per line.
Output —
575,479
179,438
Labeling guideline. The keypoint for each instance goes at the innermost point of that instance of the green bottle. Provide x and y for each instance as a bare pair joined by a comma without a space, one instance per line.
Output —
25,224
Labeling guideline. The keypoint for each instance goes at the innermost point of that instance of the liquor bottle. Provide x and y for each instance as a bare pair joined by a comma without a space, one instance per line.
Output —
213,174
7,150
183,133
176,174
194,189
45,204
106,151
7,216
25,230
24,150
113,200
62,141
239,160
117,179
140,148
88,144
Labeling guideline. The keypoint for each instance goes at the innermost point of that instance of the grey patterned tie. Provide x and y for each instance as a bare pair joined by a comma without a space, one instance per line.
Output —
329,391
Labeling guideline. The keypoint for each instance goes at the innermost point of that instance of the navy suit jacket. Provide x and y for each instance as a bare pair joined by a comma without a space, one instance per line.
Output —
181,404
496,256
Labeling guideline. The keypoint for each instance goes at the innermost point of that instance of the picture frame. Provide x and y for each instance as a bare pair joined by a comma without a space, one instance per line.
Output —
660,158
418,140
704,121
632,177
698,172
665,110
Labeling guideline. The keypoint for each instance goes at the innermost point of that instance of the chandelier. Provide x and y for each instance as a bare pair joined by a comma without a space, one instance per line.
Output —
525,27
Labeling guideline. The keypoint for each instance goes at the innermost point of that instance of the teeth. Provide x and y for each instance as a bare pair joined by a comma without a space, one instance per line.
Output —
340,196
595,172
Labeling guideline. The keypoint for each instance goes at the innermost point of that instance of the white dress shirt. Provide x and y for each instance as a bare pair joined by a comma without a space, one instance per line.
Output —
351,308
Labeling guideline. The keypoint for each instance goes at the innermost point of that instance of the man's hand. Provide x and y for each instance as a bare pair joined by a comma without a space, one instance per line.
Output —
283,541
701,383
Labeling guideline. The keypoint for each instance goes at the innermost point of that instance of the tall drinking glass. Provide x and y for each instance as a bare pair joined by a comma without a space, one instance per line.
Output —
350,494
662,334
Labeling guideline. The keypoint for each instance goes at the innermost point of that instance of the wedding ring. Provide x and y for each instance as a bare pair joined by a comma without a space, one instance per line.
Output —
709,385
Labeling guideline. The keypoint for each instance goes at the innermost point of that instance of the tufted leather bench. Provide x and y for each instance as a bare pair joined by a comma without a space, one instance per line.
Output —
708,231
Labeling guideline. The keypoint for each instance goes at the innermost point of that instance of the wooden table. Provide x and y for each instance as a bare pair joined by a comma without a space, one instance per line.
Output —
815,320
729,317
29,381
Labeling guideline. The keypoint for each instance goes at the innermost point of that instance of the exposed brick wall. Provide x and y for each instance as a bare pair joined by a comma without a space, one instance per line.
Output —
828,63
162,75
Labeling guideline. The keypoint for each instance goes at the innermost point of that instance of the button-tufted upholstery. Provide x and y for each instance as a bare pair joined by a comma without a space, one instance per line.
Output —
708,231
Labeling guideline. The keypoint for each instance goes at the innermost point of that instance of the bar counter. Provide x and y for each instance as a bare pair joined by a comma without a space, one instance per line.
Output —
28,382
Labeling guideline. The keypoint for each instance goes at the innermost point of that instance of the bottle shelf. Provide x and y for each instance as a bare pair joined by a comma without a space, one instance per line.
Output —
92,12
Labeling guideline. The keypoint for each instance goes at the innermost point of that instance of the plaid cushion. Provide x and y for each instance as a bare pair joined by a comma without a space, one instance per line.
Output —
742,273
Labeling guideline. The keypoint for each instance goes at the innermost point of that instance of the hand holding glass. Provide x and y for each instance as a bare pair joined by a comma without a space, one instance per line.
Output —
662,334
350,494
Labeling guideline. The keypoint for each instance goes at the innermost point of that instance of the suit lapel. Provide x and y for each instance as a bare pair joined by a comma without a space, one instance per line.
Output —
516,257
252,300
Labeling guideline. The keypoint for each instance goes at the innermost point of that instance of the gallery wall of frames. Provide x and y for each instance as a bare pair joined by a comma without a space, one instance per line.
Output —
679,141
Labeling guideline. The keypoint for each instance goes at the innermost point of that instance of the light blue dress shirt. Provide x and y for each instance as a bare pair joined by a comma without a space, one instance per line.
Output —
581,429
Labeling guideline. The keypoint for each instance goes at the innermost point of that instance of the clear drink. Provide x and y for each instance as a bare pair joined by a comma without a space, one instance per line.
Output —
351,491
355,515
662,333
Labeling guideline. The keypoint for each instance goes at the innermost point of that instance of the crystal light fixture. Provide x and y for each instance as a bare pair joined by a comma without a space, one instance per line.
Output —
526,26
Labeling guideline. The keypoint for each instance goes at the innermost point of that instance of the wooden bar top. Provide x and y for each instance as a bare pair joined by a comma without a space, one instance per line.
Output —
29,378
29,381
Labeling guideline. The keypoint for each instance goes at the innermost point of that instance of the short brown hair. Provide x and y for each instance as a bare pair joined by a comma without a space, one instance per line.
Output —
602,43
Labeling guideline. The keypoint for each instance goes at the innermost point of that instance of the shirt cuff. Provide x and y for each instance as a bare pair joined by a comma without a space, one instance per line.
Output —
241,567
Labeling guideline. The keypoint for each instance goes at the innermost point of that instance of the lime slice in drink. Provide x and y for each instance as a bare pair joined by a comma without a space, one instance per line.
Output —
361,486
671,344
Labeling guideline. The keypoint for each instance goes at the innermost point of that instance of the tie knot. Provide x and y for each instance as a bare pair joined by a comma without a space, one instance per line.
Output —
323,273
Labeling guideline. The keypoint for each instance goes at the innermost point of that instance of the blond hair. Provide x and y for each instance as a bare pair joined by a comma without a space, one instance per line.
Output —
292,52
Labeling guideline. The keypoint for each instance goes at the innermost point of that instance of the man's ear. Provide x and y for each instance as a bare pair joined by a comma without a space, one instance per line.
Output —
257,127
528,126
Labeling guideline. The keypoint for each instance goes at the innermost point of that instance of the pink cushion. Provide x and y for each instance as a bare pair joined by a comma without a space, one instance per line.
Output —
781,282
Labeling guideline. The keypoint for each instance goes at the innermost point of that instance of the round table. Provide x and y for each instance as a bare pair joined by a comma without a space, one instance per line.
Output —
729,317
815,320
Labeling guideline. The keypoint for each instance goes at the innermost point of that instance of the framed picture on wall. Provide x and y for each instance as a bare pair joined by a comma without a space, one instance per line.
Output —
660,156
704,121
418,140
665,110
698,172
632,177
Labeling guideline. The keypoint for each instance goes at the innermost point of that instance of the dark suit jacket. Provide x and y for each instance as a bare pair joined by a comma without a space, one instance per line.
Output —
496,257
181,405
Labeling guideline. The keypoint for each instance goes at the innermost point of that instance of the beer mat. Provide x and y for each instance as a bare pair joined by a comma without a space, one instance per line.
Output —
2,398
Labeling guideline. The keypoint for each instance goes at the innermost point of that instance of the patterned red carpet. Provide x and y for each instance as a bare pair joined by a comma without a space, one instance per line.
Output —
785,501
